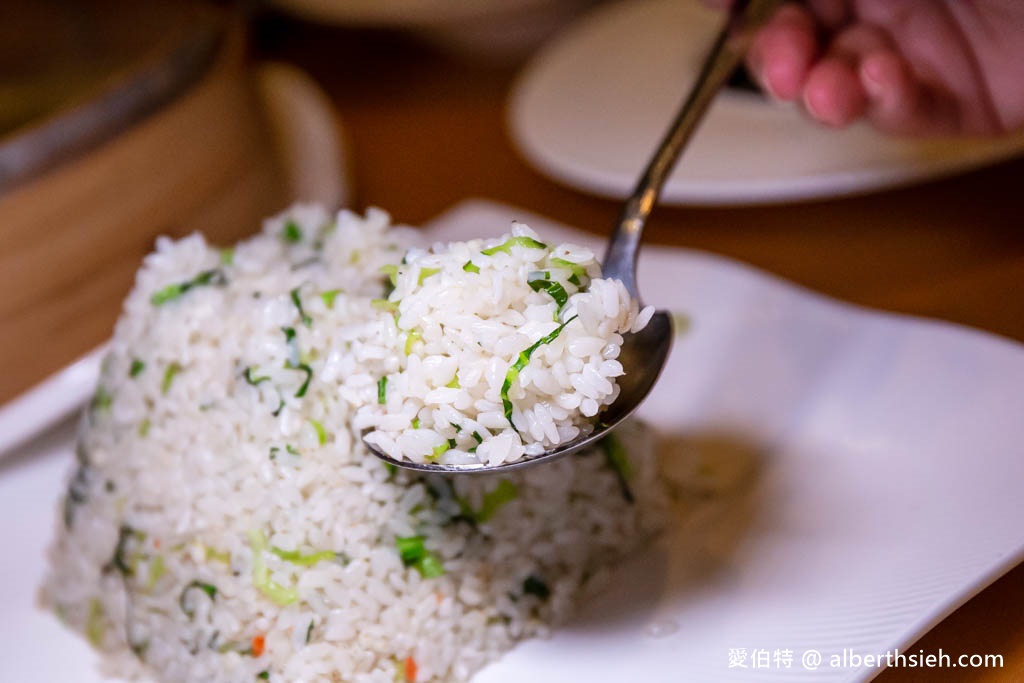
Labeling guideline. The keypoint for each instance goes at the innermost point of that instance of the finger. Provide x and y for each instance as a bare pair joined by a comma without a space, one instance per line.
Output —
834,93
782,52
900,104
944,42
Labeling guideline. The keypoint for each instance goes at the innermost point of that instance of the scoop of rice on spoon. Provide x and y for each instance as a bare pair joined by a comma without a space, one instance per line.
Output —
518,353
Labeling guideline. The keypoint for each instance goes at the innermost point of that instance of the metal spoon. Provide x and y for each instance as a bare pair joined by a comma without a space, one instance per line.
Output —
643,354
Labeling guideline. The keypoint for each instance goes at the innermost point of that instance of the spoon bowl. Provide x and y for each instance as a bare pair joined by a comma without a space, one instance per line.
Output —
643,354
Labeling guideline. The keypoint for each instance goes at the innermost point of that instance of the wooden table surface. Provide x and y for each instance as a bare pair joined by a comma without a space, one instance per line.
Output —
428,130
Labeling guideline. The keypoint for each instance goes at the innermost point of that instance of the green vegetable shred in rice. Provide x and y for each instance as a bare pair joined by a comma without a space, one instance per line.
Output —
225,523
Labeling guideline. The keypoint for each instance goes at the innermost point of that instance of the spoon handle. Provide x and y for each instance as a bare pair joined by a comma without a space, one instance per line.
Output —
725,55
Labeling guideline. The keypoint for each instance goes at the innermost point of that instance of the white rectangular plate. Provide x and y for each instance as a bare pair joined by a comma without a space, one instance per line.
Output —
868,471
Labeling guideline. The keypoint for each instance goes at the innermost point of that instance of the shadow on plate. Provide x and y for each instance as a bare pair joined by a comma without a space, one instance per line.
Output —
713,479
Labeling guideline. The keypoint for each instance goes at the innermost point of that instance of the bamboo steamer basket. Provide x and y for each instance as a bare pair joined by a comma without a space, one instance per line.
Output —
174,141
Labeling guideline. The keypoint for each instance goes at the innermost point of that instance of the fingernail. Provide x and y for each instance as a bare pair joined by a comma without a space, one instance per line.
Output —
870,77
812,103
766,83
810,106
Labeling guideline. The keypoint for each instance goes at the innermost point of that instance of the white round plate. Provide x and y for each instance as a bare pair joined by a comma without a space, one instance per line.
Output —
589,109
417,13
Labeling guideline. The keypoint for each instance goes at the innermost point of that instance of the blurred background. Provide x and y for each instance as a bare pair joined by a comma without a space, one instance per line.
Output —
121,122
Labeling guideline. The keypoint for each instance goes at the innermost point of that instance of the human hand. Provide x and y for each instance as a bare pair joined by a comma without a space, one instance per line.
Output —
910,67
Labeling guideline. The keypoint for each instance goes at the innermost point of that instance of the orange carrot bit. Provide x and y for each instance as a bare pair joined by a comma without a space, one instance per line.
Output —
440,597
258,645
156,543
410,670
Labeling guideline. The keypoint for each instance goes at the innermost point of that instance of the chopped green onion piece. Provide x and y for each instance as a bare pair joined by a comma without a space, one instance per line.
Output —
144,427
261,574
213,554
479,439
137,367
534,585
297,300
303,367
439,451
292,233
207,588
293,347
521,241
248,375
169,374
384,305
471,267
578,271
94,623
293,363
410,548
157,569
391,468
227,256
295,557
382,390
173,291
616,457
139,648
309,632
492,501
414,554
454,384
410,339
168,293
329,296
430,567
101,400
321,433
617,460
291,449
391,271
264,675
118,562
505,491
274,450
466,511
416,422
427,272
521,362
553,288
